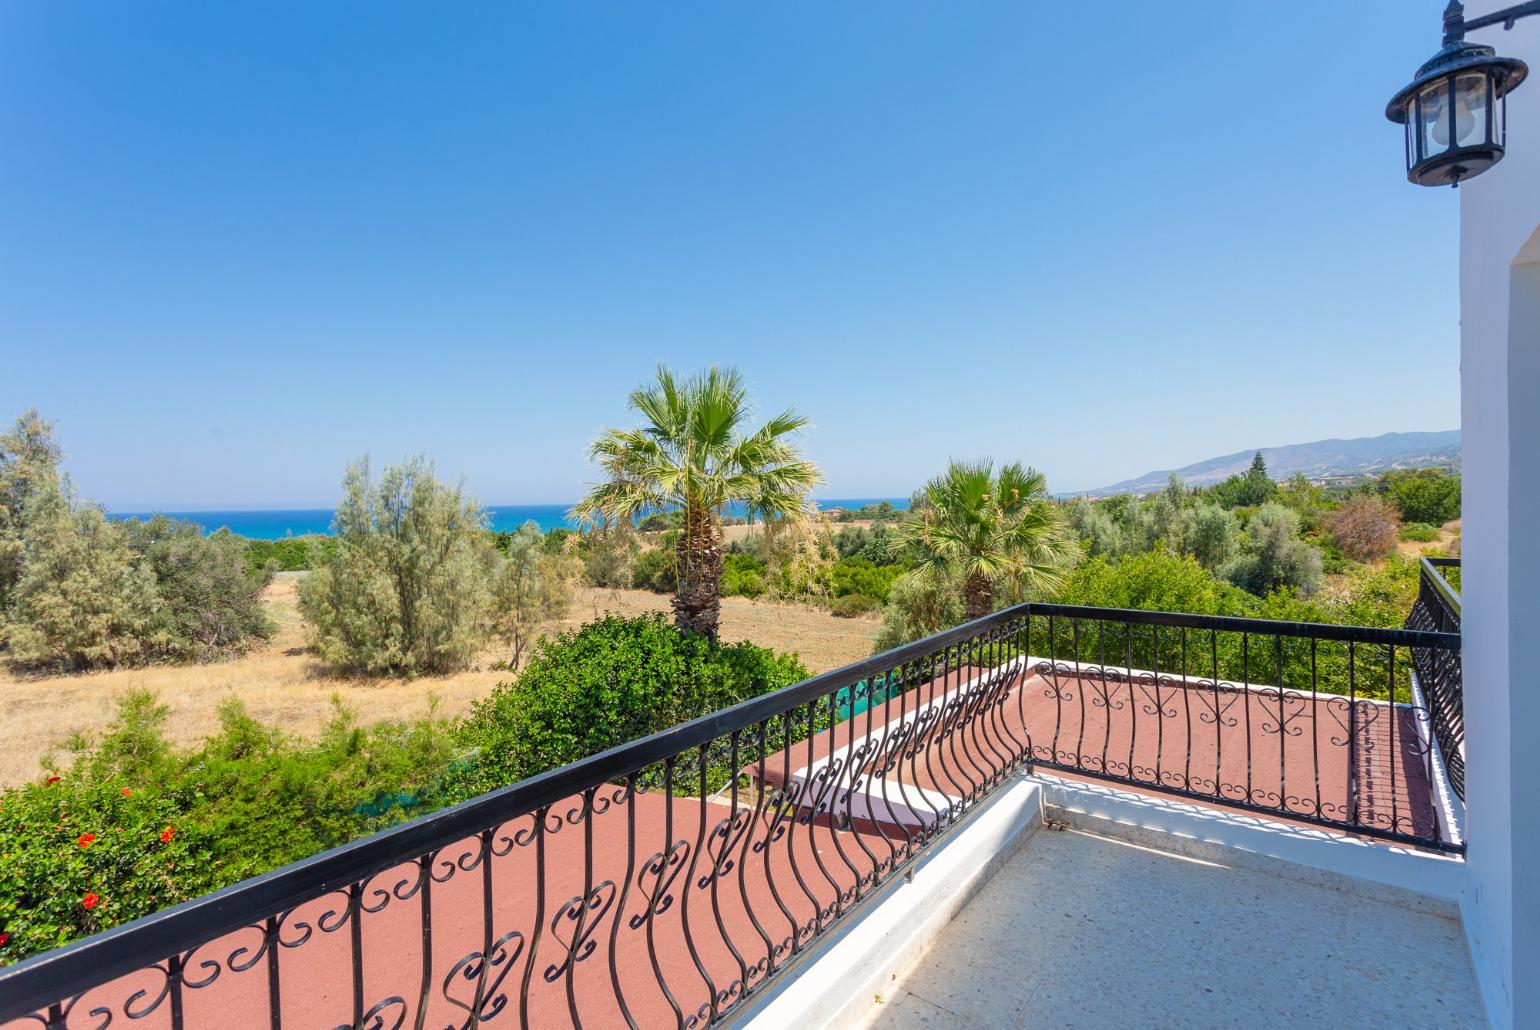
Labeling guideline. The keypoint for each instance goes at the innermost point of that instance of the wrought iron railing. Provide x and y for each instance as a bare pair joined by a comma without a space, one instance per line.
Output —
661,883
667,881
1303,721
1438,669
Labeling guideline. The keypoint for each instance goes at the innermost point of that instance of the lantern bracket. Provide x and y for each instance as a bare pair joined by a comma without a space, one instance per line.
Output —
1456,25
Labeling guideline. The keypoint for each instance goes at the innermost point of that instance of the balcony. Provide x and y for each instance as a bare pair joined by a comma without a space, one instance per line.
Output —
1251,806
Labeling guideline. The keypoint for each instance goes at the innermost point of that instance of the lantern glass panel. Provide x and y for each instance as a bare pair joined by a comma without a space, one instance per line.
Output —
1470,109
1433,118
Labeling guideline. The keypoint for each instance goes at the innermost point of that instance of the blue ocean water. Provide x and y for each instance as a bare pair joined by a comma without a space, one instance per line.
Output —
278,523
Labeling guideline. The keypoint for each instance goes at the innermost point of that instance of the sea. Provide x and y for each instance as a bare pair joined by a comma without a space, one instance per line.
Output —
278,523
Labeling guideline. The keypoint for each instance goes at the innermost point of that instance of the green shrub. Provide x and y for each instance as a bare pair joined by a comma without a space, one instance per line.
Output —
529,588
1274,557
210,601
1420,532
291,554
82,600
1423,495
408,590
657,570
743,575
611,681
1155,581
919,606
849,606
131,826
859,576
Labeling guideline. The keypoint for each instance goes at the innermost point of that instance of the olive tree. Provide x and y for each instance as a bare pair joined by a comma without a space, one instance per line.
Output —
29,455
81,599
408,590
1274,557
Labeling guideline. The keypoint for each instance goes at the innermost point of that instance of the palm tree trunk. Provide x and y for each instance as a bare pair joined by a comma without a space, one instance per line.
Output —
979,593
698,597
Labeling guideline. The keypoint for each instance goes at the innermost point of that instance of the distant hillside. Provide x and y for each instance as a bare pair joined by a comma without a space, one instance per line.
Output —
1323,459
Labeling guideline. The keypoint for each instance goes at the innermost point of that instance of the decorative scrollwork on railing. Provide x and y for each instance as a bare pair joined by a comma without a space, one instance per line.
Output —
486,970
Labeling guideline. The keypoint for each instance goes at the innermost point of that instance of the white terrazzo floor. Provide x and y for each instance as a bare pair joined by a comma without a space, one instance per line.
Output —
1084,931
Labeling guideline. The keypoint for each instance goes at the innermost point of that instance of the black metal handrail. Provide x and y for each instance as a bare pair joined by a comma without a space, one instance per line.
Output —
669,879
1439,671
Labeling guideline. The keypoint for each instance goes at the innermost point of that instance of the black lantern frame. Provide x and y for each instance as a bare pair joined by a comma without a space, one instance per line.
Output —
1455,110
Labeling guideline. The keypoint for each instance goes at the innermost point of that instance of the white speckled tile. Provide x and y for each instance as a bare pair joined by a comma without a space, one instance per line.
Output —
1084,931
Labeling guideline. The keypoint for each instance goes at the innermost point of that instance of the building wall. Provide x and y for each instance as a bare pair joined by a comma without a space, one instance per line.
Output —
1500,420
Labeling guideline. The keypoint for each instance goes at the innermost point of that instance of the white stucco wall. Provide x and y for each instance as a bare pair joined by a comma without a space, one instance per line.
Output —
1500,419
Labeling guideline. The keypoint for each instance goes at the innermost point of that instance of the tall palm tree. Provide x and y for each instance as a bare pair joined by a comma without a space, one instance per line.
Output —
988,531
694,454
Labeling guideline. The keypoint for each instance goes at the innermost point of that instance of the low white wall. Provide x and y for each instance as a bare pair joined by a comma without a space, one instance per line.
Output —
1386,872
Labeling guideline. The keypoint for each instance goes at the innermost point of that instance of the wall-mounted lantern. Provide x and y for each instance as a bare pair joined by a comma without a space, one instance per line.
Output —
1455,110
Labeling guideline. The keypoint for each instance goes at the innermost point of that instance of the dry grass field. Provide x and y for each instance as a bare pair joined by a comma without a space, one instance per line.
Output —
281,683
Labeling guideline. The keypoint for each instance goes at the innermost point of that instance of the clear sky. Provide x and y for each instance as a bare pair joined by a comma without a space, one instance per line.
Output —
242,244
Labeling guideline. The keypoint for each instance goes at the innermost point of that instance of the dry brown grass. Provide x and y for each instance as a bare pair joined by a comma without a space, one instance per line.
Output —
281,683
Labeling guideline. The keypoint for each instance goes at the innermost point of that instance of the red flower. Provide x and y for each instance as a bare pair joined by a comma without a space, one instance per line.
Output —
5,938
86,840
91,900
167,834
53,779
125,792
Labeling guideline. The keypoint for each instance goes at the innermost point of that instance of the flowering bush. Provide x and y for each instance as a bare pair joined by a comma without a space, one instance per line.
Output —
80,857
131,826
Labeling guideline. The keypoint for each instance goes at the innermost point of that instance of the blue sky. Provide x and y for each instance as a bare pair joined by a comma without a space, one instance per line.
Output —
241,245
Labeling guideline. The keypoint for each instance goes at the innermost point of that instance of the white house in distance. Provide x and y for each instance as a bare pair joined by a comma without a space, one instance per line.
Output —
1500,422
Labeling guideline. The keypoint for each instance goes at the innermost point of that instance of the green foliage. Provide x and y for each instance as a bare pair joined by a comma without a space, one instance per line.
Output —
29,457
529,587
609,554
993,532
1423,495
743,575
209,599
1163,582
882,511
1274,556
1154,581
82,600
656,569
1254,488
408,591
1208,533
1419,532
1099,532
612,681
850,606
658,521
696,454
165,826
291,554
857,575
80,591
919,606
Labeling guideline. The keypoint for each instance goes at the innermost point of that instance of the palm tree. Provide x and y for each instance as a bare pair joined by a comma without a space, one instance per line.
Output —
988,530
695,455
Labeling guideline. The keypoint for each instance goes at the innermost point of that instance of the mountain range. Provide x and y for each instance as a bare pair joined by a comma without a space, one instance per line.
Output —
1320,460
